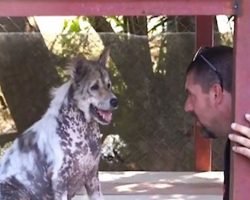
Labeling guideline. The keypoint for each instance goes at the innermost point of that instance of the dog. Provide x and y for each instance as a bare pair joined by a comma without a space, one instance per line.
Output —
59,154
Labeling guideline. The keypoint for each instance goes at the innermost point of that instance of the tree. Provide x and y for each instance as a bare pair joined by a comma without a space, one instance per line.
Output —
26,70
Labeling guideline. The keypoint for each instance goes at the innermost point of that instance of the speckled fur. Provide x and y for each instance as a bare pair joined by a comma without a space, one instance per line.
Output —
59,155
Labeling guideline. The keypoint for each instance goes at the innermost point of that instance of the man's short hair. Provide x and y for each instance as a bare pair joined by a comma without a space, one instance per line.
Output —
213,65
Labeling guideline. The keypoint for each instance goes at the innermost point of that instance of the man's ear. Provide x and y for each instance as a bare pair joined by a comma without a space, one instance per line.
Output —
217,93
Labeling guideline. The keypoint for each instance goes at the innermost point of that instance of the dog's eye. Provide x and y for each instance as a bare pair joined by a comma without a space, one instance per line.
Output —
109,85
95,87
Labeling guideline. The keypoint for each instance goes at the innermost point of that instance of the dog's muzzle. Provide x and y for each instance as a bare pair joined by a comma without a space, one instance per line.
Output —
104,116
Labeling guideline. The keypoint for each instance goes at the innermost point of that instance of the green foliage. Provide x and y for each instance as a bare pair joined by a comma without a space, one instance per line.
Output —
226,39
75,26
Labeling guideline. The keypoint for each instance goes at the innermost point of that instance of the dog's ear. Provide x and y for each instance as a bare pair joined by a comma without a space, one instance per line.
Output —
80,69
104,57
77,68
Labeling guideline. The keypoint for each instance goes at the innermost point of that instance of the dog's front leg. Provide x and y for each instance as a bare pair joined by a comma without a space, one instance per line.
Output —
94,191
61,196
59,188
93,186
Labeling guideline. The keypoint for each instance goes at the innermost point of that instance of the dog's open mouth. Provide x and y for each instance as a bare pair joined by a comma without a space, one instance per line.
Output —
104,116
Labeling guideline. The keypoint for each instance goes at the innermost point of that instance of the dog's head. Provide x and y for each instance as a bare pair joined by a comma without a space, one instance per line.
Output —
91,87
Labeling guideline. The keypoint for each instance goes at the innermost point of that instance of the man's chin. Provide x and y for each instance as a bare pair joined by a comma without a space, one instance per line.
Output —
208,134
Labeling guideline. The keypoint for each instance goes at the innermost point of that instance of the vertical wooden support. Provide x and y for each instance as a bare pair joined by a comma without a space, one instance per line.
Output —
240,166
203,152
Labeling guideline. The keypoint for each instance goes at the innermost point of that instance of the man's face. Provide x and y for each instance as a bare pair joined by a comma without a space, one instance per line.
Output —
199,104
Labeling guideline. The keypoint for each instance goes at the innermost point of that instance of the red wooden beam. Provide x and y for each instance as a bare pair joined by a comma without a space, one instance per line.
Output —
114,7
240,166
203,149
203,146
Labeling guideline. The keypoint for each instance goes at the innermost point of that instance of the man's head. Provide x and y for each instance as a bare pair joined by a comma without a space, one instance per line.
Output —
209,86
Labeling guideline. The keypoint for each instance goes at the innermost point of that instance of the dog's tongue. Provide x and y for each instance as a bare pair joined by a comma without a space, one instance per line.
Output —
106,115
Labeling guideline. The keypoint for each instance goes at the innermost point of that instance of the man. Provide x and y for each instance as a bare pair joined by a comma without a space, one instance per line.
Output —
209,100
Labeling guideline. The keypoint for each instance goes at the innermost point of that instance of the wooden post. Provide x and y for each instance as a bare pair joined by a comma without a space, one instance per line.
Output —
203,146
240,166
202,151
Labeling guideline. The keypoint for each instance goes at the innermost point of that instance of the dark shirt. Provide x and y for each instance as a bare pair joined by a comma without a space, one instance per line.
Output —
226,171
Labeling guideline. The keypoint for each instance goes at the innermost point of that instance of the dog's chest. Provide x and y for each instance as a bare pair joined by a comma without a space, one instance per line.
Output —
81,144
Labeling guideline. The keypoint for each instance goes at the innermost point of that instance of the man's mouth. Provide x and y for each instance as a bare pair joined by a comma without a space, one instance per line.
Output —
103,116
204,131
197,121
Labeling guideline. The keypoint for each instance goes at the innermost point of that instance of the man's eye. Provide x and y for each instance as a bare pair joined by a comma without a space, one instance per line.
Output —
95,87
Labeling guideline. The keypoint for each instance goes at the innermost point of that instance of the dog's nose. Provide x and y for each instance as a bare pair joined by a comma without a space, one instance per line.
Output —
114,102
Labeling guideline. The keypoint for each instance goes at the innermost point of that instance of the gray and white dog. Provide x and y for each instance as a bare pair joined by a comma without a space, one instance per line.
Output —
59,154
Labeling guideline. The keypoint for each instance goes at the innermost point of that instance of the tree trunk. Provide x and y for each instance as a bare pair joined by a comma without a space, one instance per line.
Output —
26,72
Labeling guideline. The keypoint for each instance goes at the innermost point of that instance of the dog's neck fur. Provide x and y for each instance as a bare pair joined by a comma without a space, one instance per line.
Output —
78,138
71,118
68,115
59,97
